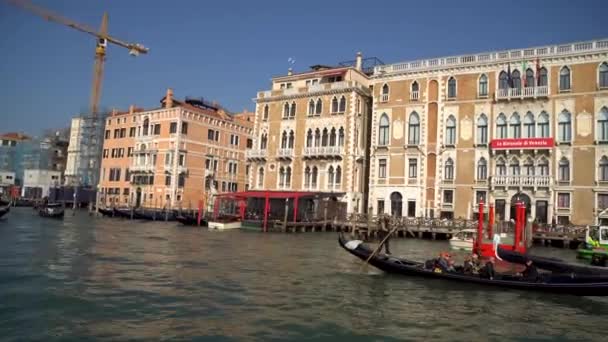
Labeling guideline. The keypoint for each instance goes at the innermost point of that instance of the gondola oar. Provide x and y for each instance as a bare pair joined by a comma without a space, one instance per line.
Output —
379,246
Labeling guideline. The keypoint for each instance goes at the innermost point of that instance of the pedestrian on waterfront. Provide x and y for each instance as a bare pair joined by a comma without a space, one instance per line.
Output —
384,232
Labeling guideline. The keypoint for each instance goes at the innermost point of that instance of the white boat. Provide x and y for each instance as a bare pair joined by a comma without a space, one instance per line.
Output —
463,240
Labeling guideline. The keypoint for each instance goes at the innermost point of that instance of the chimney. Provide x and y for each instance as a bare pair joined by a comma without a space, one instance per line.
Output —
359,61
169,98
289,72
131,108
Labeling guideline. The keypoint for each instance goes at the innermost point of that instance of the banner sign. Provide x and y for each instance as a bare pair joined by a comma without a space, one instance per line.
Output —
522,143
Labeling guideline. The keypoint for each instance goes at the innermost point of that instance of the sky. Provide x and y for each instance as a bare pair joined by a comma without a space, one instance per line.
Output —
227,51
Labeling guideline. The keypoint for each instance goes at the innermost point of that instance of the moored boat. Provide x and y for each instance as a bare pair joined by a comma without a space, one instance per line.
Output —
463,240
106,212
5,209
52,210
550,264
595,245
572,284
190,220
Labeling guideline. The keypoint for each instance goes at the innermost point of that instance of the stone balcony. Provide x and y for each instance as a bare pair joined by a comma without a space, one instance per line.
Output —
521,181
323,152
256,154
285,153
522,93
142,168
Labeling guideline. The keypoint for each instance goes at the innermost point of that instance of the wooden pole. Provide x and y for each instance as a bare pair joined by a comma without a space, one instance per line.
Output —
380,245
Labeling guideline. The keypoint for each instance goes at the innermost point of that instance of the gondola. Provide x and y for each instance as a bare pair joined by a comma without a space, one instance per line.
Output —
106,212
551,264
52,210
5,209
572,284
190,220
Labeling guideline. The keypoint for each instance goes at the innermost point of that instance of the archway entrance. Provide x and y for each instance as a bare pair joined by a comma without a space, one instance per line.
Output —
517,198
396,204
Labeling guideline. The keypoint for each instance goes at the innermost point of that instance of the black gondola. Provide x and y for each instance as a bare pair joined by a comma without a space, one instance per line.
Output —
551,264
5,209
52,210
190,220
106,212
573,284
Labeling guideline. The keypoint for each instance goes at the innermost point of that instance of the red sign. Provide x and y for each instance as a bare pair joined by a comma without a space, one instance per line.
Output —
524,143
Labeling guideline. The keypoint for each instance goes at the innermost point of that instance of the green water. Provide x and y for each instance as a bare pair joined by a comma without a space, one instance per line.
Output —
89,278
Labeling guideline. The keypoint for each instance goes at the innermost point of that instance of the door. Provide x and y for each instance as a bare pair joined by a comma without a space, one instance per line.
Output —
541,211
138,198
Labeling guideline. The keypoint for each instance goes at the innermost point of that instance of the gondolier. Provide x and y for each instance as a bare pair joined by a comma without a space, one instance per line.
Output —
384,231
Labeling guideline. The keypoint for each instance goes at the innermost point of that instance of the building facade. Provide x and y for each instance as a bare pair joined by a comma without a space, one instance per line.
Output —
173,156
311,132
84,151
525,125
37,183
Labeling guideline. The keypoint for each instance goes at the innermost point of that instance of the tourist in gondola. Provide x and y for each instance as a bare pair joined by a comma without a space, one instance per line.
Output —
488,270
530,273
467,266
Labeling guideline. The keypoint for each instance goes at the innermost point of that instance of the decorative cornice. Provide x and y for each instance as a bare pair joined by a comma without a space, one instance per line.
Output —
313,94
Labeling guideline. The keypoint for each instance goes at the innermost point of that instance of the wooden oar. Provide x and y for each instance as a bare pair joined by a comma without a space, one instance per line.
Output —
380,246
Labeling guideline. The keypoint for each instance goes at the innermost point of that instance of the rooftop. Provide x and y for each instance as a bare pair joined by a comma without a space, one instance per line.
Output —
16,136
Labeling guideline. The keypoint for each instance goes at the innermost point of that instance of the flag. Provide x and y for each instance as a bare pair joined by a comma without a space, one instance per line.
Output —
524,74
509,79
537,71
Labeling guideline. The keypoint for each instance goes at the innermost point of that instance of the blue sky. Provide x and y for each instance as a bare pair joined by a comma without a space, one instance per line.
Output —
228,50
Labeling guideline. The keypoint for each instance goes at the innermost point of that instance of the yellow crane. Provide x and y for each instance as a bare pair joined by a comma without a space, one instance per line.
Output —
102,37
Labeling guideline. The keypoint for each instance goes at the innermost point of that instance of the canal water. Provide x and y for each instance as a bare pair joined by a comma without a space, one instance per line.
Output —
89,278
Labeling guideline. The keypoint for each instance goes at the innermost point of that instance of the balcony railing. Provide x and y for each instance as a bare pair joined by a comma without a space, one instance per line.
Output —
323,151
414,95
256,154
530,181
384,98
522,93
142,168
285,153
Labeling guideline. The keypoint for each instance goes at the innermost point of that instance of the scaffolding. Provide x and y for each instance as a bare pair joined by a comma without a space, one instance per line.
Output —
84,151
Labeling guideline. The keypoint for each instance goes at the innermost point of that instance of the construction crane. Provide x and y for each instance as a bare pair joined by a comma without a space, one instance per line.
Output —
102,36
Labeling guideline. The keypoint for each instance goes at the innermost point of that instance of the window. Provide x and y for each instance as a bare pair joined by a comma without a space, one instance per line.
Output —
261,178
413,129
287,176
480,197
543,167
265,113
380,207
217,136
184,128
146,126
285,110
181,180
116,133
311,107
123,132
249,143
284,140
602,201
603,169
449,169
514,166
281,177
292,111
501,126
415,88
483,85
182,159
451,88
450,131
307,177
516,79
529,78
482,169
381,168
603,75
563,200
263,141
105,153
157,129
413,168
411,208
338,176
482,130
332,137
342,107
529,127
309,138
341,137
315,174
383,132
501,167
330,177
324,138
396,204
503,80
602,125
564,79
167,180
564,126
564,170
448,196
132,132
317,137
542,77
543,125
107,134
334,105
319,107
385,92
515,124
210,132
292,139
529,167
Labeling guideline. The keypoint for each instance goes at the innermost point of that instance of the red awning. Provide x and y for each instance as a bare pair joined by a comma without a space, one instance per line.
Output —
275,194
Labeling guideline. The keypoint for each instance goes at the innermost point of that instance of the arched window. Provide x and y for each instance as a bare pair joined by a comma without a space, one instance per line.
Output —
311,107
564,78
396,204
515,124
385,91
415,86
529,127
332,137
483,85
284,140
514,166
341,137
286,110
503,80
413,130
603,169
342,108
292,112
265,115
309,138
334,105
516,79
602,125
543,167
330,177
281,177
325,137
564,126
529,78
288,177
603,75
451,88
482,169
319,108
450,131
501,167
501,126
264,141
383,130
307,177
317,137
292,139
449,169
261,178
146,126
482,129
564,170
338,177
542,77
543,125
315,174
529,167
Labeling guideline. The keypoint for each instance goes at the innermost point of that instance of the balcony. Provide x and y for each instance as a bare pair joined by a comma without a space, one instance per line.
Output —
384,98
521,181
285,153
142,168
522,93
257,154
414,95
323,152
